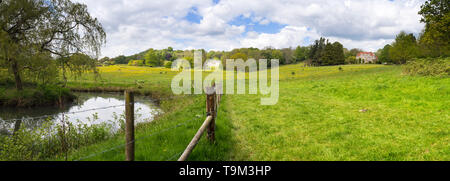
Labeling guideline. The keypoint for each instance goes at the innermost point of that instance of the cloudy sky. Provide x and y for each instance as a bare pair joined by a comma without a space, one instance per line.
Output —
133,26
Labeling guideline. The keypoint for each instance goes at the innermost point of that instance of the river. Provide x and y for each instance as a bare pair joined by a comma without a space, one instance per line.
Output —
88,109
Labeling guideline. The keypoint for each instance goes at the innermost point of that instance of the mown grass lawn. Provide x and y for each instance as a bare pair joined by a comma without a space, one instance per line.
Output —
317,117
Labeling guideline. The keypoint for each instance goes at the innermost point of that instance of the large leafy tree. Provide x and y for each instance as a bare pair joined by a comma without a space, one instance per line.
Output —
277,54
338,53
121,59
301,53
327,57
239,56
404,48
288,56
383,54
316,51
60,28
322,52
353,52
436,35
152,58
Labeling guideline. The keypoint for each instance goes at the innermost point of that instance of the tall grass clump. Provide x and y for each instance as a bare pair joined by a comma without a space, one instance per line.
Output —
50,140
439,67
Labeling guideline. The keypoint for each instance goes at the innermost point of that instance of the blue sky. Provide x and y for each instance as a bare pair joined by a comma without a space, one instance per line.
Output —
136,25
193,15
251,25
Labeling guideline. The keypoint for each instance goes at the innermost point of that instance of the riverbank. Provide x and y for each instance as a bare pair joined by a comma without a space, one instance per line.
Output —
32,96
72,143
92,118
169,133
156,96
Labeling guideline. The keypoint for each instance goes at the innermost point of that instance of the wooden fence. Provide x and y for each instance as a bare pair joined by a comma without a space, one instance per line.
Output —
212,105
209,125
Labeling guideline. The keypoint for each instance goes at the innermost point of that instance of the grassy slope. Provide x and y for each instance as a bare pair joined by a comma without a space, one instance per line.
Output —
162,145
168,140
317,117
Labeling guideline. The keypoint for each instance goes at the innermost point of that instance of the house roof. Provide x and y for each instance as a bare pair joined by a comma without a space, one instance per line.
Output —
365,53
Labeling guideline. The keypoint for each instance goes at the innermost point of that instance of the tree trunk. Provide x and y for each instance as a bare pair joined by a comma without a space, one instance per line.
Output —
64,73
18,79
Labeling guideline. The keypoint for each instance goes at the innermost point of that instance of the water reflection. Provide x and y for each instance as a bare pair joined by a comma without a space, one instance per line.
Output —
85,111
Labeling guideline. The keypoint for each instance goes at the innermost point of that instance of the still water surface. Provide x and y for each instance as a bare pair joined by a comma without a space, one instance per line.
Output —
88,109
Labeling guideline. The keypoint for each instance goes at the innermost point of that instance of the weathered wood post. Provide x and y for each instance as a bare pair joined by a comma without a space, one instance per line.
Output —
211,111
17,127
209,124
129,125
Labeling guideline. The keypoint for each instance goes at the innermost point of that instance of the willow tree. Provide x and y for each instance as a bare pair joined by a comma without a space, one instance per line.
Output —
58,27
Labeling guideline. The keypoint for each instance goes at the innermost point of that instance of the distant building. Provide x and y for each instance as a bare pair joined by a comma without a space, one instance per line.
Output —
212,64
366,57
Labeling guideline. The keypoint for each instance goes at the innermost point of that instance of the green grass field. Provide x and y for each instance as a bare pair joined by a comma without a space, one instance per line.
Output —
317,117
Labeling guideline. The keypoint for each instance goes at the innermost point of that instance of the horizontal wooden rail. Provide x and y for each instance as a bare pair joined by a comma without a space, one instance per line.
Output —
196,138
209,125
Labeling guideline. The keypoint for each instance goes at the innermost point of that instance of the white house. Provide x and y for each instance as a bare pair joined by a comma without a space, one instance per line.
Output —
213,64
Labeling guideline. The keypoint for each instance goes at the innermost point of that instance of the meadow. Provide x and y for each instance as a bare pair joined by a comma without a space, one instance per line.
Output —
351,112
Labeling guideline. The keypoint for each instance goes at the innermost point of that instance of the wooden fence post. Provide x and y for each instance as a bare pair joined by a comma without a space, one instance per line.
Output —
17,127
211,110
212,104
129,125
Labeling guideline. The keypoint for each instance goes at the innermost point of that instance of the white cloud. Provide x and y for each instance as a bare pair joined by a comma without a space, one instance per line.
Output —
264,22
136,25
289,36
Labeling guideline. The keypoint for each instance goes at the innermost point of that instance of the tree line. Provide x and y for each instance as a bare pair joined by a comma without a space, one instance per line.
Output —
321,53
432,42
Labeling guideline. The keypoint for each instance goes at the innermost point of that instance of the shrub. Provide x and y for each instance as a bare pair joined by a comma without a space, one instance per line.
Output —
42,95
439,67
136,62
50,141
168,64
